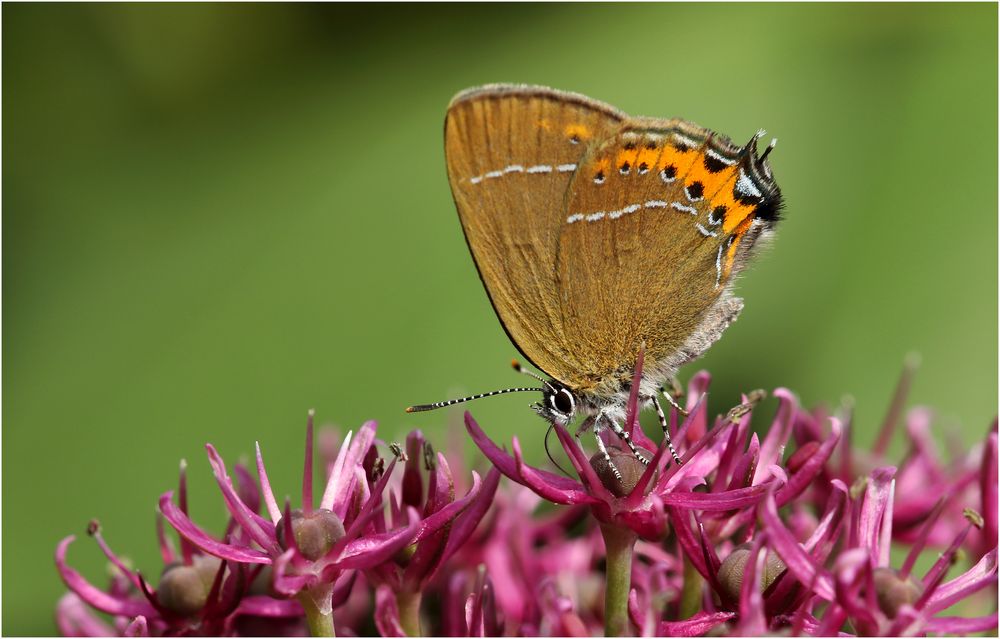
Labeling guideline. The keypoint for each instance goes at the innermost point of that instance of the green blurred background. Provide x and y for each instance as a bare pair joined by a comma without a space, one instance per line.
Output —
219,216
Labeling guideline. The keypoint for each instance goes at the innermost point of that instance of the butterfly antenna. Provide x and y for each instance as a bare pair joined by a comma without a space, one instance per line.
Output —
547,452
422,407
521,369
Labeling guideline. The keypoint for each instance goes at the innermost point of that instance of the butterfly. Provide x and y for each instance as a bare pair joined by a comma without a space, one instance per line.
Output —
596,233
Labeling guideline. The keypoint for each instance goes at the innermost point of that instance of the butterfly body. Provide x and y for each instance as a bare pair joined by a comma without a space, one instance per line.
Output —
596,234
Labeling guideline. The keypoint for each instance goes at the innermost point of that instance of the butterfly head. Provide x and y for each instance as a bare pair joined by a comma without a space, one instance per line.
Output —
558,405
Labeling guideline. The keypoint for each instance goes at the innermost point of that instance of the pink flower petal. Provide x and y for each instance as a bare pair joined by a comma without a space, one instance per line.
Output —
988,488
696,626
387,613
372,550
791,552
777,436
75,619
272,505
259,529
264,606
873,512
752,622
961,625
137,628
93,596
470,518
337,492
582,466
429,525
808,471
537,481
205,542
983,574
727,500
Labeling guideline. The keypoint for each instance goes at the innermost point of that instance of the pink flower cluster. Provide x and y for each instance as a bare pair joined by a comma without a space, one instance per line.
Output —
792,532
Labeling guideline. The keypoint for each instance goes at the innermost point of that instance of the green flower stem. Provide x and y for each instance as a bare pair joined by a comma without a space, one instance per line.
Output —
409,612
690,603
319,612
619,543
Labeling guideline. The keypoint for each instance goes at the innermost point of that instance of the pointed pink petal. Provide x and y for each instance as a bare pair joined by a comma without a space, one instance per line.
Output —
873,511
74,619
777,436
246,487
307,467
337,493
504,462
808,471
696,626
976,578
336,470
653,467
752,622
632,405
254,525
166,545
699,461
961,625
726,500
470,518
387,613
137,628
581,464
95,531
93,596
272,505
537,481
429,525
791,552
284,579
988,488
264,606
372,550
364,515
202,540
689,545
342,589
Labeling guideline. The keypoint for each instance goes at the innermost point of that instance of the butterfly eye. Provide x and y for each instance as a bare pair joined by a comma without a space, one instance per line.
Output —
563,401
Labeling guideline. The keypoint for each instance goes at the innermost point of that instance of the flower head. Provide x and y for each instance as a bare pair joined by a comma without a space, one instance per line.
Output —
197,593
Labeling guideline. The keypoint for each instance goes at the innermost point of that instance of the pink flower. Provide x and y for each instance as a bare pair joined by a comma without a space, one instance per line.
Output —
408,574
736,479
862,587
197,593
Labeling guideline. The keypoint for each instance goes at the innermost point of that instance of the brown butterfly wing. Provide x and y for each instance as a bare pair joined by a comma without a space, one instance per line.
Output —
660,217
511,152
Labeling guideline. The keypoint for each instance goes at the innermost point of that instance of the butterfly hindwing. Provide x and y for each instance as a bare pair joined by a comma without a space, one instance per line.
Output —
653,233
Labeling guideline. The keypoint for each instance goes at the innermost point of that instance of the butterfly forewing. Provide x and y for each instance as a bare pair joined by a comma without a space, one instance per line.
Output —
511,153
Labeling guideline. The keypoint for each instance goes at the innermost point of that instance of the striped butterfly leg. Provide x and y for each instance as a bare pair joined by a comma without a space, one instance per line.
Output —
625,437
676,390
666,428
597,428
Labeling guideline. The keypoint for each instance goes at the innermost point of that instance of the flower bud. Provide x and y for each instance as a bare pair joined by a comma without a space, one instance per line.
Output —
630,469
892,591
315,533
734,566
184,589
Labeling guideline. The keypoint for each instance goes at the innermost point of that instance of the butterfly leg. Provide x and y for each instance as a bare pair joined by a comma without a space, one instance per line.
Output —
675,387
666,430
627,438
604,450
